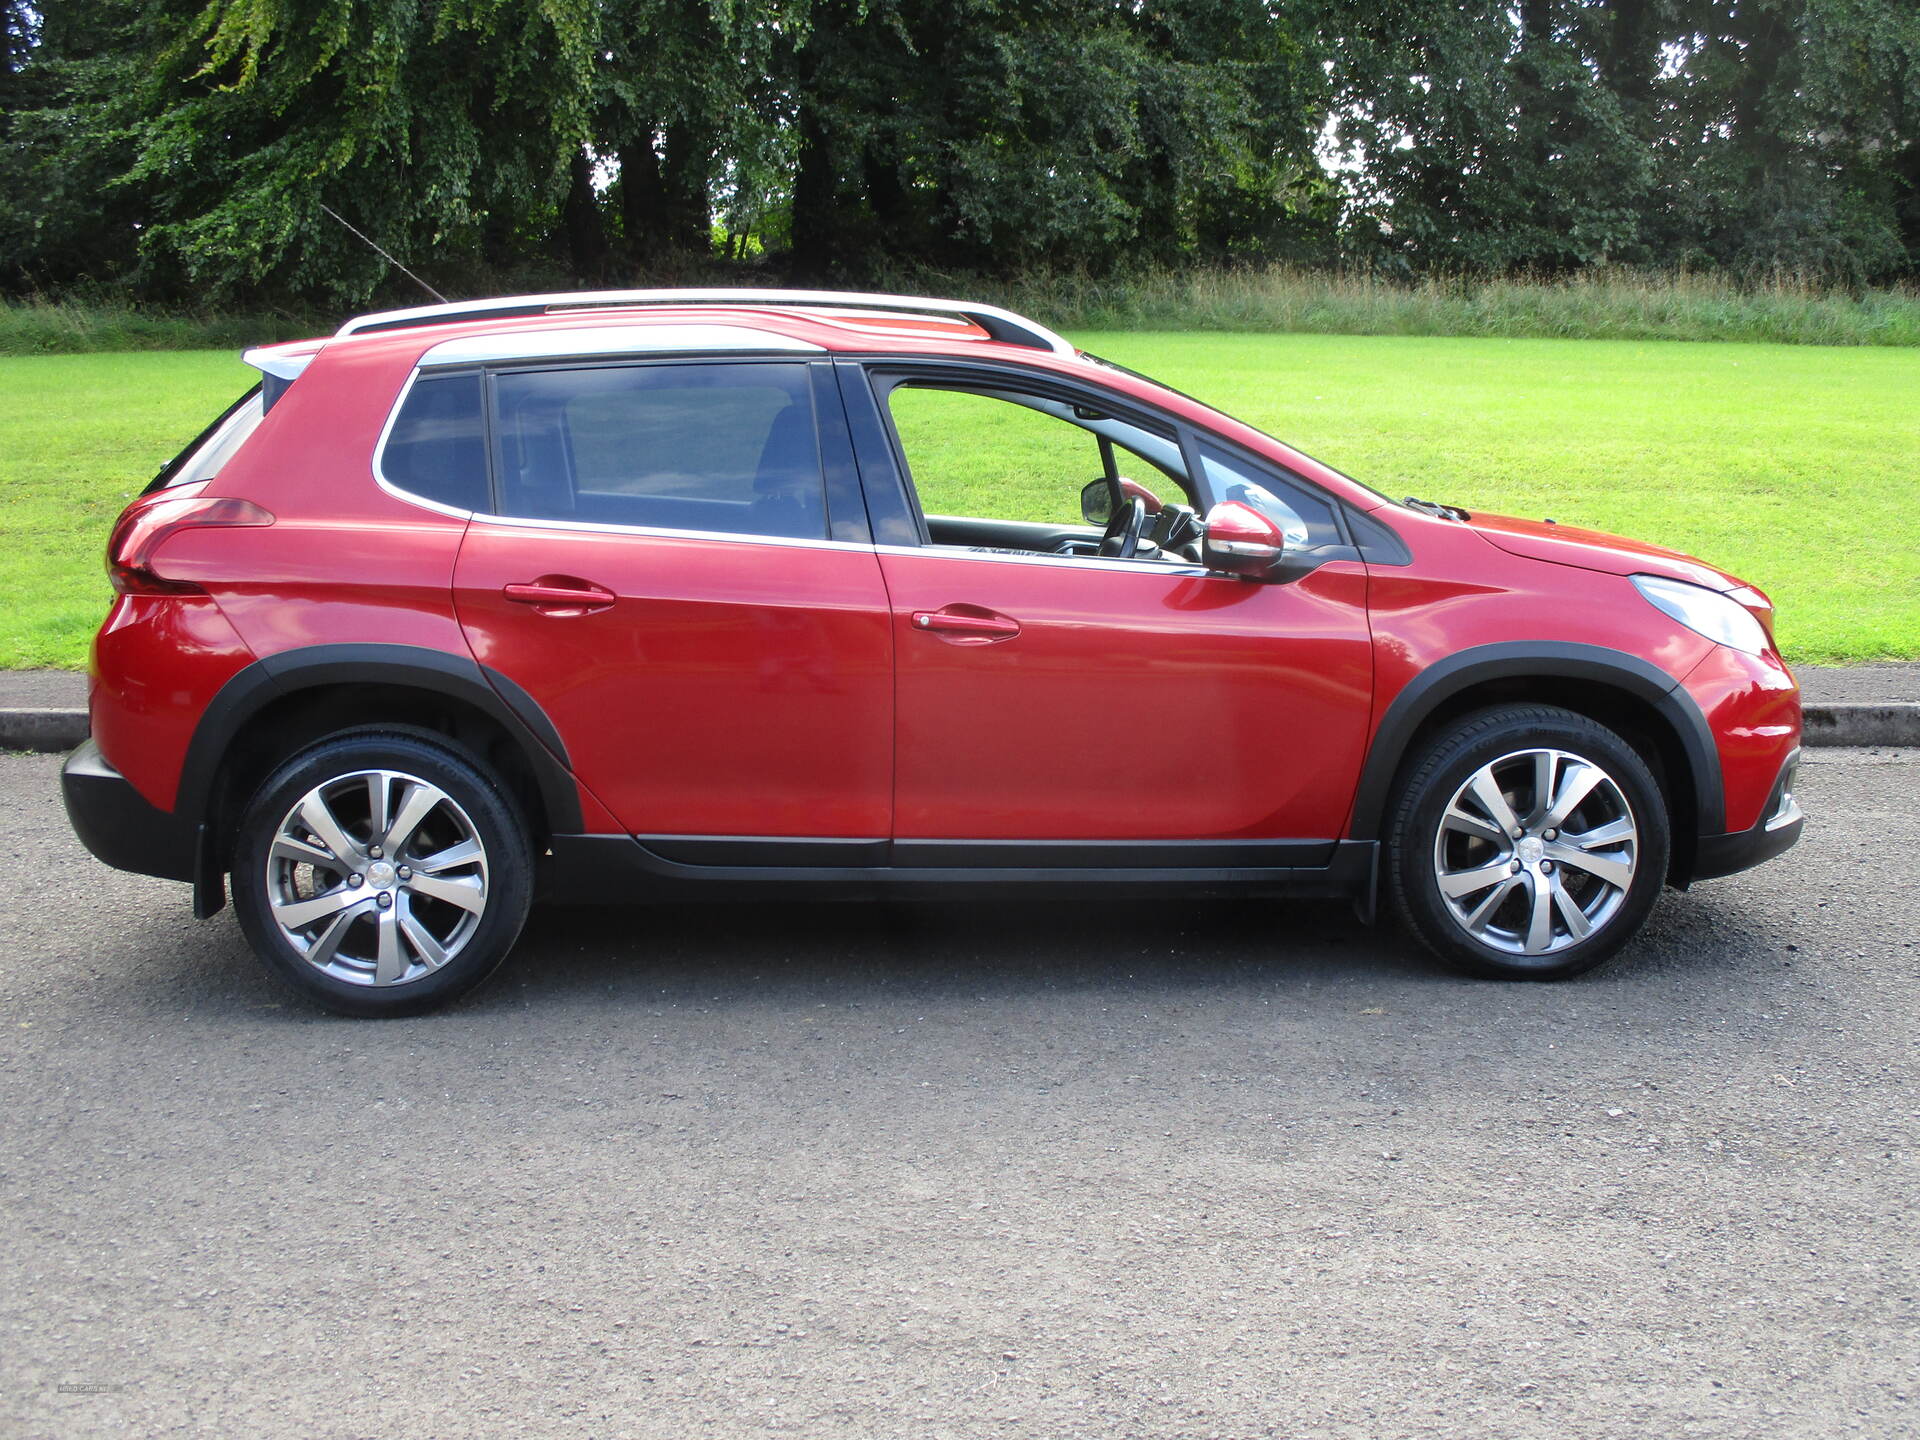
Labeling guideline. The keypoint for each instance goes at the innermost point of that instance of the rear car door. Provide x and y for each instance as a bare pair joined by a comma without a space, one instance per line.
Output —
1147,711
665,573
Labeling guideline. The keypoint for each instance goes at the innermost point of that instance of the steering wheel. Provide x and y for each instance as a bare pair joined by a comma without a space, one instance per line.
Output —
1129,523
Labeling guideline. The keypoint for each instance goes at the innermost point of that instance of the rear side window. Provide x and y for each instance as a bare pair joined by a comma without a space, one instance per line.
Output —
437,448
214,446
728,448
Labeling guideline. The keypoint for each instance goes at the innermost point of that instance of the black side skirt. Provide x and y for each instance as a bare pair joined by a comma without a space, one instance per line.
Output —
600,869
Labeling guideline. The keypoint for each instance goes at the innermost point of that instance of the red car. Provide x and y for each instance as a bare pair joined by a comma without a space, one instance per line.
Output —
678,593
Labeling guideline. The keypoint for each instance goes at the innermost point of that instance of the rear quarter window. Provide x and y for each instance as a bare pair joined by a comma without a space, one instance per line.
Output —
437,448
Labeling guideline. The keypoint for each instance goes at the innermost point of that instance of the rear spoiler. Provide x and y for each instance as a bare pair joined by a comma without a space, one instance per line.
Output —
280,366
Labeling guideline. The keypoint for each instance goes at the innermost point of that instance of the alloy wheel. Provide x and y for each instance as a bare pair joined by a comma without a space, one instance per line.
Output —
377,877
1535,851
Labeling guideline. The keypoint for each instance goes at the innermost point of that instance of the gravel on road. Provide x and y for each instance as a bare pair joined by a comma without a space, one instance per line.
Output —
1123,1170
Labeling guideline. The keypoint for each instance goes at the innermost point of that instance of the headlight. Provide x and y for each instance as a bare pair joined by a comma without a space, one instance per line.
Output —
1706,612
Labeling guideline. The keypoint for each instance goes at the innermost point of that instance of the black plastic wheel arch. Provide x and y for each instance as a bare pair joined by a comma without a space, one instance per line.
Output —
1539,659
410,666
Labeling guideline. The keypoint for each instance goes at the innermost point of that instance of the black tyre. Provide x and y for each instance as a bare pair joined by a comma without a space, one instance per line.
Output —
1526,843
381,873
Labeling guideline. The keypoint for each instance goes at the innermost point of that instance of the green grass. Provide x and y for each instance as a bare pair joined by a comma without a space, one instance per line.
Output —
1793,466
79,436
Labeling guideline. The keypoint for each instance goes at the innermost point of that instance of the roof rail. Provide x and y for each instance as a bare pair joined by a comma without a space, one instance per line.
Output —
1002,325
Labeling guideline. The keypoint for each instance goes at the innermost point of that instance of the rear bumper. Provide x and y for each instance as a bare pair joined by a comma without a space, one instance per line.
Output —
1779,827
119,826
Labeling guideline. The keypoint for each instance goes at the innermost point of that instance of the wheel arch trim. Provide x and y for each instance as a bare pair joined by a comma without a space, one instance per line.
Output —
1548,660
455,677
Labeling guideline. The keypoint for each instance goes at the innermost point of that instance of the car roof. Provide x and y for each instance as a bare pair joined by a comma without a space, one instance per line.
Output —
856,311
787,321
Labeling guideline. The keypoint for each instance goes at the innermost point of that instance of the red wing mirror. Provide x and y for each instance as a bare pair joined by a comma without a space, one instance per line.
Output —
1241,541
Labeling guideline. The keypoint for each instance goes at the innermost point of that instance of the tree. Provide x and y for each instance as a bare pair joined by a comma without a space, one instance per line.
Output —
444,129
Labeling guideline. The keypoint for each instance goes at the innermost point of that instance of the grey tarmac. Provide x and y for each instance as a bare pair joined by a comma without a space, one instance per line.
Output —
1124,1170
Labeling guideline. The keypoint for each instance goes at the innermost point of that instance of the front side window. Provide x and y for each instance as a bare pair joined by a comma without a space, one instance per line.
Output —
1018,457
731,448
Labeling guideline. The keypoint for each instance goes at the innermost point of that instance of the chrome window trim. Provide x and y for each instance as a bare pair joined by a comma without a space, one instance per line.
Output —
584,342
1128,567
665,532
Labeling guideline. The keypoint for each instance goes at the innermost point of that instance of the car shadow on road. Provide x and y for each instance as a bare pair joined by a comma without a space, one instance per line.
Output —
848,953
1701,945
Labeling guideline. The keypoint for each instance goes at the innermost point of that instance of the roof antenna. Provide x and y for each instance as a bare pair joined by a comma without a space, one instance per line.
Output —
385,256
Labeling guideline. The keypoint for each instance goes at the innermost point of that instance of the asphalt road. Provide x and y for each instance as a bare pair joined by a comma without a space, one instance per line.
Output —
1143,1170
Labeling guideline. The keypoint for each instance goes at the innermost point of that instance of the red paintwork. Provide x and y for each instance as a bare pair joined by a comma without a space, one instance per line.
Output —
1133,705
1753,706
733,687
156,663
1596,550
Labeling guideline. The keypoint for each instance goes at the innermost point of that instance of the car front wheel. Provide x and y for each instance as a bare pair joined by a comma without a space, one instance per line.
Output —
381,873
1527,842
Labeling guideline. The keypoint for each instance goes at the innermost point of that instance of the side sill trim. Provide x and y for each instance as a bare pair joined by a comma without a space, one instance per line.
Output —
603,869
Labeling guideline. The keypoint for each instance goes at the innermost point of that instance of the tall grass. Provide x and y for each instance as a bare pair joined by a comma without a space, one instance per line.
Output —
1601,305
47,327
1607,305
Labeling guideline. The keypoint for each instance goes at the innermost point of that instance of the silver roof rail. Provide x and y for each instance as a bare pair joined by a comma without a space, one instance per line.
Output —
1002,325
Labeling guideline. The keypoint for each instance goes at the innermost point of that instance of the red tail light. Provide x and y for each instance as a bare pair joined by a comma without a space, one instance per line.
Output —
146,524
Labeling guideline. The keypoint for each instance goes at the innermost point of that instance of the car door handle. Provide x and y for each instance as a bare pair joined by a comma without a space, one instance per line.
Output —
966,625
559,595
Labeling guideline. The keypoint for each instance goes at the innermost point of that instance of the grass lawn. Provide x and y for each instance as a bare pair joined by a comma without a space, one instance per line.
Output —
1793,466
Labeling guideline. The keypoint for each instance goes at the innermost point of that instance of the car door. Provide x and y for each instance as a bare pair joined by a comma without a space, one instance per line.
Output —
1147,711
664,576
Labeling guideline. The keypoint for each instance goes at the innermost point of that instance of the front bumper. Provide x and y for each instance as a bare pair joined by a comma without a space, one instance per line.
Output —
1779,827
119,826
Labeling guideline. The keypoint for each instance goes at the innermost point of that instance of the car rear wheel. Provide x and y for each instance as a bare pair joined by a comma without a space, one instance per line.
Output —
381,873
1527,842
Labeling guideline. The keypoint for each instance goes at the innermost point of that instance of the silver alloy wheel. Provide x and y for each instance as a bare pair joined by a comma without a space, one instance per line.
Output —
1536,851
377,877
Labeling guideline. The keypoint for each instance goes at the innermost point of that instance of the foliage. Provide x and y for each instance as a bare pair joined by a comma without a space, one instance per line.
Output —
181,151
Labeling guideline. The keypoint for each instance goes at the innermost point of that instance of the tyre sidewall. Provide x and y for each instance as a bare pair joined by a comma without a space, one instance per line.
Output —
494,815
1446,766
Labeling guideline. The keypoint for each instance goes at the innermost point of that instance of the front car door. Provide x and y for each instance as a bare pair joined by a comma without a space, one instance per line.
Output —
677,569
1060,709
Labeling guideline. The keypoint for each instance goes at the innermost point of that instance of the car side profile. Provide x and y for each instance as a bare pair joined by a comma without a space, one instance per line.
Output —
645,594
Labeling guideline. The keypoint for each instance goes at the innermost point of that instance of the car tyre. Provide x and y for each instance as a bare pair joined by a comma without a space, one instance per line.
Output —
1526,842
381,873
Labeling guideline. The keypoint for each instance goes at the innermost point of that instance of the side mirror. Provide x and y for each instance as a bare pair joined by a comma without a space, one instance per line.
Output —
1241,541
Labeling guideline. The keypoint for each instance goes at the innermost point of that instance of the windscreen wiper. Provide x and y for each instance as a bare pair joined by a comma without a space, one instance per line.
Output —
1434,507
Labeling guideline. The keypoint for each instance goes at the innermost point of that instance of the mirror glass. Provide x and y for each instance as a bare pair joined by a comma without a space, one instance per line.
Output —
1096,502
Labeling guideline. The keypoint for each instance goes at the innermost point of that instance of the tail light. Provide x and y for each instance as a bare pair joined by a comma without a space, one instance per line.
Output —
147,524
